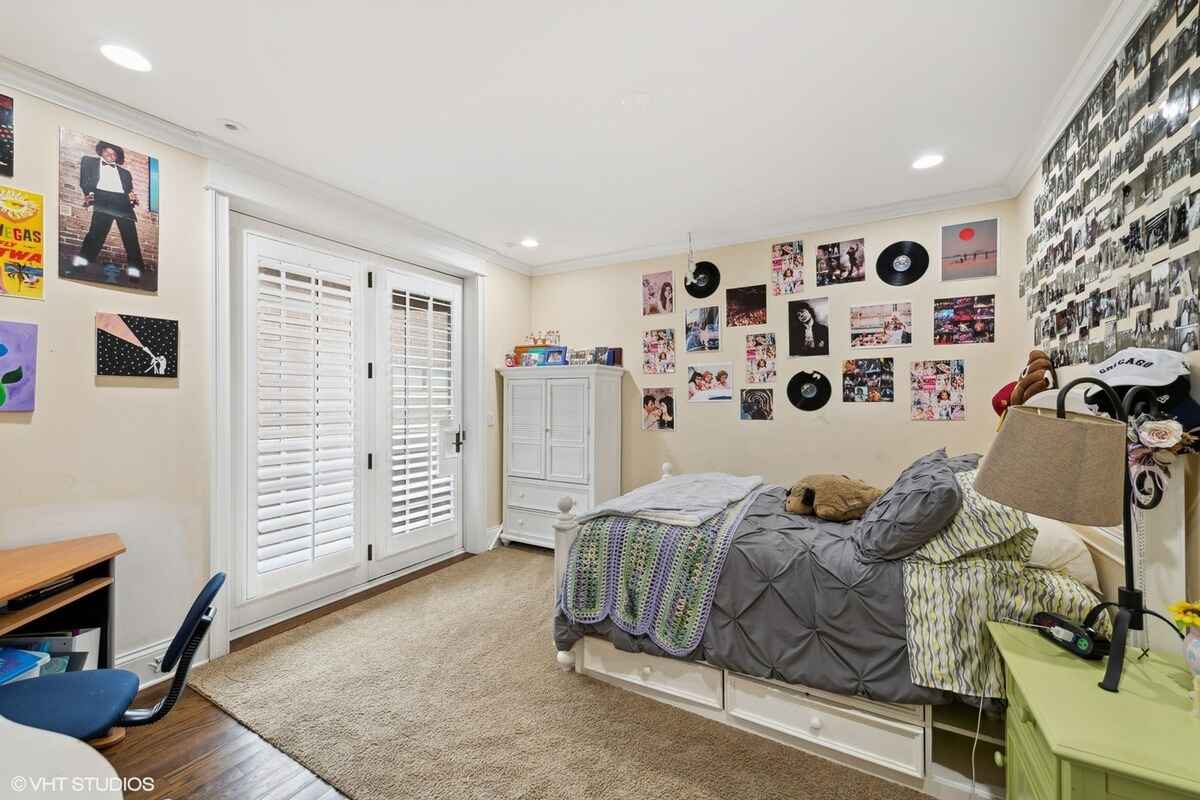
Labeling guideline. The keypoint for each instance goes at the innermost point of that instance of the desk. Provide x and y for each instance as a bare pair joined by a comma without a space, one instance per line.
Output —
87,603
1068,738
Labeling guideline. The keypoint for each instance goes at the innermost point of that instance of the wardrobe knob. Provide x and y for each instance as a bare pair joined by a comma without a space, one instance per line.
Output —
1027,716
815,723
998,757
646,670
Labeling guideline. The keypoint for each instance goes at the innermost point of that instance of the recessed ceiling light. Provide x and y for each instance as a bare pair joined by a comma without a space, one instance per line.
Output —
124,57
529,241
928,160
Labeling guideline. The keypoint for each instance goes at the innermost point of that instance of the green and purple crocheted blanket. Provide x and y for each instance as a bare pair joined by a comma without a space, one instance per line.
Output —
648,577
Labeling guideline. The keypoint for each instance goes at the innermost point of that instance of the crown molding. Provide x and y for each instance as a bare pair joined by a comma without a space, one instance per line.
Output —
1119,23
860,216
435,244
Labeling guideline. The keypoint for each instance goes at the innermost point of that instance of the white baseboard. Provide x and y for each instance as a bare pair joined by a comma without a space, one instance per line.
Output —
145,660
326,600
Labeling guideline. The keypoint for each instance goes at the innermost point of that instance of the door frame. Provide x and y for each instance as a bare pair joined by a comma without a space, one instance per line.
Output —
221,523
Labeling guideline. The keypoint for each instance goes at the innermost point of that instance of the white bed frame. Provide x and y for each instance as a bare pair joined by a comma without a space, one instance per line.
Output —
916,746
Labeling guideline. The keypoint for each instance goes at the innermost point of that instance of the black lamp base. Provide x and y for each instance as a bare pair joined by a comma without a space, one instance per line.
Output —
1131,612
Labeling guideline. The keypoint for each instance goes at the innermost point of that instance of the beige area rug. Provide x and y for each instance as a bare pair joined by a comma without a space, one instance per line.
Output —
446,687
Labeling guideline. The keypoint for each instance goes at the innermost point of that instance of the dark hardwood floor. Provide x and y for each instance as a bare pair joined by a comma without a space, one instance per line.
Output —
198,752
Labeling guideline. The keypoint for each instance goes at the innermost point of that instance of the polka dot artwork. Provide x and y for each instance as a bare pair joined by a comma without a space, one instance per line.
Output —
136,346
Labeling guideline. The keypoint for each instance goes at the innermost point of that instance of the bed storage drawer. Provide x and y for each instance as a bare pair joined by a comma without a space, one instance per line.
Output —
543,496
888,742
687,680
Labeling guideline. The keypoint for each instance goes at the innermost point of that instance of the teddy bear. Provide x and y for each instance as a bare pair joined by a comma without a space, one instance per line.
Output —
1038,376
833,497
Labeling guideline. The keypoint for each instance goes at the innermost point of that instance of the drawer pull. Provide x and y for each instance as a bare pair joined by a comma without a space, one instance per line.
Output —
998,757
815,724
1027,716
646,670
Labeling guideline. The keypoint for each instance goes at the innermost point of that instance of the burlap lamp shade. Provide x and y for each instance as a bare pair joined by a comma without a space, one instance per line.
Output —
1070,468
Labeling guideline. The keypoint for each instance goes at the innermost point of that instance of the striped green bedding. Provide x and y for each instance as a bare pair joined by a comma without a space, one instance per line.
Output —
971,572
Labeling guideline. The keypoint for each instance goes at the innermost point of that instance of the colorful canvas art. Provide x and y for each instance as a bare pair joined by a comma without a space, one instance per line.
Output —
21,269
136,346
18,366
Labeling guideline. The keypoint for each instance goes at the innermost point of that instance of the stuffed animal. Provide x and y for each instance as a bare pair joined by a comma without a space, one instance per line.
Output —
832,497
1038,376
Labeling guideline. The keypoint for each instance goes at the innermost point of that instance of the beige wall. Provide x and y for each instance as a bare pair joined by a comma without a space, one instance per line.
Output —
871,441
508,313
131,455
115,454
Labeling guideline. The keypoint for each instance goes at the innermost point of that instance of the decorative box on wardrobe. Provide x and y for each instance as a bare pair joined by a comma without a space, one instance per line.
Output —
562,437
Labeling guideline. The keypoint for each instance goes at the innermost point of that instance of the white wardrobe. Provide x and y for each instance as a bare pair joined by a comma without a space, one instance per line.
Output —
562,437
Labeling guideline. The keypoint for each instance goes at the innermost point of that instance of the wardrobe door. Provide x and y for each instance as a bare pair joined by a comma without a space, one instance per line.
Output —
567,430
525,417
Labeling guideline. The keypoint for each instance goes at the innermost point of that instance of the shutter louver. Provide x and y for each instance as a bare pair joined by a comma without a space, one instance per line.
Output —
422,379
306,461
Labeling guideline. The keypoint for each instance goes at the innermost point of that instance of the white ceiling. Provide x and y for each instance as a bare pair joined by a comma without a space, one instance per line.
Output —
599,128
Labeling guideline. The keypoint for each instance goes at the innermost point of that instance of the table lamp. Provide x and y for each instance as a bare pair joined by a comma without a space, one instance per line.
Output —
1074,468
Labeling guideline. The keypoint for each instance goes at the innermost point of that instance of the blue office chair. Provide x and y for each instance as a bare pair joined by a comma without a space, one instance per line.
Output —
94,704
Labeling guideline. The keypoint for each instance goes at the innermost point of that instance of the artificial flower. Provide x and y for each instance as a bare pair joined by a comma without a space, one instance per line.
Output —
1160,433
1186,614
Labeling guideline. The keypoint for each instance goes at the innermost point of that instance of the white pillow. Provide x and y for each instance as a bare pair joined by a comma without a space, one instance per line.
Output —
1058,547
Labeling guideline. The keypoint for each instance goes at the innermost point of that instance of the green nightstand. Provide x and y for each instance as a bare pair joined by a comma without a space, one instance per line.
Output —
1068,739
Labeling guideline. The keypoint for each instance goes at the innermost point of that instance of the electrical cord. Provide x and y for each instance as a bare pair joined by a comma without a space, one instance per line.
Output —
975,744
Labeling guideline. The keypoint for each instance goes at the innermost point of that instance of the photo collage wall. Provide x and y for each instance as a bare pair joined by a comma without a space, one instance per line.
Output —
937,388
1112,261
108,222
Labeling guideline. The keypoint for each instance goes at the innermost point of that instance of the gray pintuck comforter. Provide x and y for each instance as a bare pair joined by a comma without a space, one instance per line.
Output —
795,602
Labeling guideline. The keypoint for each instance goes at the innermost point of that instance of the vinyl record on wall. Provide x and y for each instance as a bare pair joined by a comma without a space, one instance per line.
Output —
705,281
902,263
808,391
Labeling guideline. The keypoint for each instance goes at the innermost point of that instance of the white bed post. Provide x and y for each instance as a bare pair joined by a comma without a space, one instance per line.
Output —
565,530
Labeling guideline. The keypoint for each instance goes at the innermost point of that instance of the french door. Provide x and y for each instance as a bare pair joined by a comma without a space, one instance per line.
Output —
346,423
418,412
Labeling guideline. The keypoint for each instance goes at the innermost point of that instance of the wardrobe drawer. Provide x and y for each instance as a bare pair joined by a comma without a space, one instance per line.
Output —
532,527
687,680
543,496
882,741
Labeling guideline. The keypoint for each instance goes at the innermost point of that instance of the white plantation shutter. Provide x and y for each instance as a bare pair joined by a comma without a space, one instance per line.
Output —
422,397
305,481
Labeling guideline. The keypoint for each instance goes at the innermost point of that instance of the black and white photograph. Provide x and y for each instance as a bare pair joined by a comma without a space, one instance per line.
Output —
103,186
1177,229
1157,231
808,327
1139,290
143,347
841,262
757,404
1160,286
1185,339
